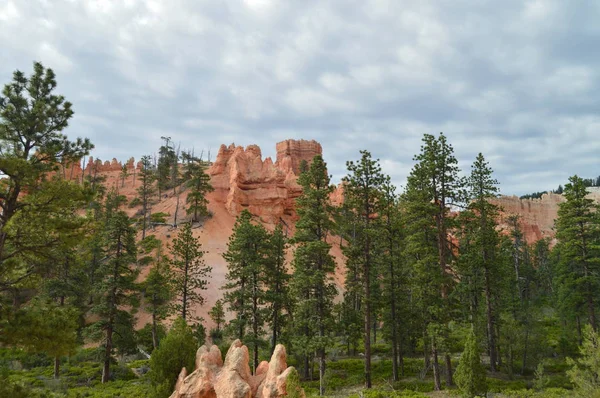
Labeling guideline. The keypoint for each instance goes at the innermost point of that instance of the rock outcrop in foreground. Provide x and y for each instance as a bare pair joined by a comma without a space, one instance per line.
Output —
214,379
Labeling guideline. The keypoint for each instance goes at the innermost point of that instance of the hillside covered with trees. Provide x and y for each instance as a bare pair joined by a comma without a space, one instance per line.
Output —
436,297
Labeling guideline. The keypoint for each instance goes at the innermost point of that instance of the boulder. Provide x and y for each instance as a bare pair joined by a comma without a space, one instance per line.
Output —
215,378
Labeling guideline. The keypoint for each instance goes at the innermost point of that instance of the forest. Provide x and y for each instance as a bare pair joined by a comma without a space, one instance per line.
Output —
438,299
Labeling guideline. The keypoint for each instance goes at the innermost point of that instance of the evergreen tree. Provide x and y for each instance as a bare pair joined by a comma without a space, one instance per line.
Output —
32,118
578,232
245,294
433,187
217,314
158,293
362,193
470,373
199,184
313,266
165,167
176,351
481,246
189,271
116,288
146,189
277,296
44,326
393,272
124,174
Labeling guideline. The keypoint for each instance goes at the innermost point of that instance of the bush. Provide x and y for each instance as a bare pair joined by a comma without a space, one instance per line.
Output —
176,351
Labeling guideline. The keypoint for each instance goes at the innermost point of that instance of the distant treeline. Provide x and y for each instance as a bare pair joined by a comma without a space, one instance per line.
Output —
588,182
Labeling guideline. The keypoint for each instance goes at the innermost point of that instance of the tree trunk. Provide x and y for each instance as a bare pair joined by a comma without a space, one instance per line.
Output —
368,383
321,372
490,322
154,331
107,355
437,384
449,382
56,367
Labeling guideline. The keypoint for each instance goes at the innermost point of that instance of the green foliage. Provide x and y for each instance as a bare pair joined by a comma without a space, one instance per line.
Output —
313,266
189,273
470,373
176,351
159,218
217,314
44,326
585,372
199,184
146,189
32,118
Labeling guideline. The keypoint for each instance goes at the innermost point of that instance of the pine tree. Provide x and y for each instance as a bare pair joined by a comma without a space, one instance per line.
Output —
246,255
146,189
177,351
482,249
158,293
115,289
124,174
362,193
217,314
393,272
44,326
277,279
578,232
433,187
189,272
470,373
32,118
313,266
164,169
199,184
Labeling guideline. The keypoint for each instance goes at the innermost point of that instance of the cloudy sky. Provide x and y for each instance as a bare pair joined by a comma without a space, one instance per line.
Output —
516,80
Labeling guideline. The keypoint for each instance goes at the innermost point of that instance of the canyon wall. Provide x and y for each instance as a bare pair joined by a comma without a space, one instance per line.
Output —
536,215
243,180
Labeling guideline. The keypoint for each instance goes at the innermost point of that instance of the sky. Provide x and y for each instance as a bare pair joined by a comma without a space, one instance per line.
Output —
516,80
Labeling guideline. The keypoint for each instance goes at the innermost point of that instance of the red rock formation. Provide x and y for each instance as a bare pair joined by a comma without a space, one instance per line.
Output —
536,215
242,180
232,379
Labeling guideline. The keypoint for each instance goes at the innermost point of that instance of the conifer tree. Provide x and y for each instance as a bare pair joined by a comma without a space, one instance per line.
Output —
578,233
177,351
43,326
158,293
362,193
393,272
470,373
164,167
146,189
313,266
32,118
433,187
277,279
483,248
116,288
189,271
217,314
199,184
246,258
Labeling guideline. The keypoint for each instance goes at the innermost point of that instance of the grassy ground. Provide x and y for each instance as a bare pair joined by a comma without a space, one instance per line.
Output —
26,375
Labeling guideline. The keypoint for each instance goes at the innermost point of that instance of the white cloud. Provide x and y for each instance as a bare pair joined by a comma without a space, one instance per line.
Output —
515,80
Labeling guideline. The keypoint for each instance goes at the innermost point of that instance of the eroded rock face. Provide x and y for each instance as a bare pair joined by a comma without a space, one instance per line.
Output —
232,379
242,180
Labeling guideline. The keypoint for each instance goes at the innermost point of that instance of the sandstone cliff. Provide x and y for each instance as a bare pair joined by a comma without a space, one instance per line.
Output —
242,180
536,215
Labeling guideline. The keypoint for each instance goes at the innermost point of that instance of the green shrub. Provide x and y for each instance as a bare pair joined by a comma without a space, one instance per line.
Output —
176,351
